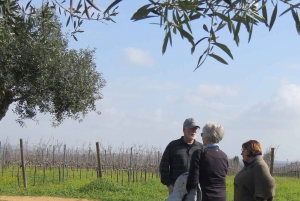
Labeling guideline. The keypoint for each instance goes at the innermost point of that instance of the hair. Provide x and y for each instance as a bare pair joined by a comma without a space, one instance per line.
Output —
213,132
253,147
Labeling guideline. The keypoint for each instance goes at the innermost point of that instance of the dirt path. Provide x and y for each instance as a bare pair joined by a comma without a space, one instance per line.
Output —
29,198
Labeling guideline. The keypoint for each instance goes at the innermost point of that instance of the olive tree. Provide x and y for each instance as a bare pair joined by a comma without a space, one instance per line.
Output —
39,74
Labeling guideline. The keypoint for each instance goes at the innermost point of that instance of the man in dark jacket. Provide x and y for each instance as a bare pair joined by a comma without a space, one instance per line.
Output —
177,155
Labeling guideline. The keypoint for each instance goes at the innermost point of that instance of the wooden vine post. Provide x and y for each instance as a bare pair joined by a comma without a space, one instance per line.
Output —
23,163
99,160
272,161
64,163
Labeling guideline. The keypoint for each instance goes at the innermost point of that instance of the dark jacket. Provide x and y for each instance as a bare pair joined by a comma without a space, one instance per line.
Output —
209,168
176,160
254,182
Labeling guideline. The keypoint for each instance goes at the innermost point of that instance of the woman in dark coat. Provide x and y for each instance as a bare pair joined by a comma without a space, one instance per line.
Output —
254,182
209,165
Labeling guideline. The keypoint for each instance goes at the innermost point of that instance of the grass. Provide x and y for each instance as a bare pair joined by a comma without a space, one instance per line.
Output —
88,186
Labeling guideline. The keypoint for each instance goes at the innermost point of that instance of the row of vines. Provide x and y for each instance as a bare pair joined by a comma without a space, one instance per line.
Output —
56,162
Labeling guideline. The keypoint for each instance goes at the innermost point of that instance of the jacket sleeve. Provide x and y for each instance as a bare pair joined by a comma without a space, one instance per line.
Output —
264,182
164,167
193,178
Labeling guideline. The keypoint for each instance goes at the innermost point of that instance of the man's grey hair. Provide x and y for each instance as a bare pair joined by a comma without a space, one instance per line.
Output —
213,132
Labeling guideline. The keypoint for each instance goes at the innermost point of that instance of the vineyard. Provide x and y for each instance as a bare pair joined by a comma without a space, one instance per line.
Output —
55,162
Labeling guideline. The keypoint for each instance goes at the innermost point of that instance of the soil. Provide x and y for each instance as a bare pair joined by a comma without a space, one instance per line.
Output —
29,198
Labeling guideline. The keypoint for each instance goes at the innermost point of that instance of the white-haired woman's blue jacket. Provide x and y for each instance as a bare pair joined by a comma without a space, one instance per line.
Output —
180,191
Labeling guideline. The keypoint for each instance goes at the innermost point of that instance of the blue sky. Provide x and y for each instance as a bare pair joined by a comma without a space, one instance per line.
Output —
149,95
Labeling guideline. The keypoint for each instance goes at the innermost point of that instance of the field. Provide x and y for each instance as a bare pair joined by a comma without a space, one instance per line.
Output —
109,188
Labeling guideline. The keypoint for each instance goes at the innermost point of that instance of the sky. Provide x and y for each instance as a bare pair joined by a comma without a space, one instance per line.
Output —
149,95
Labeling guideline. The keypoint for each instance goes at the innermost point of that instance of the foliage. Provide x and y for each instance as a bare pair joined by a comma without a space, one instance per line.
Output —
12,11
37,70
176,17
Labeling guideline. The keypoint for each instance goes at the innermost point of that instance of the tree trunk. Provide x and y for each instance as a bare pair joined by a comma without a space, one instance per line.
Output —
6,98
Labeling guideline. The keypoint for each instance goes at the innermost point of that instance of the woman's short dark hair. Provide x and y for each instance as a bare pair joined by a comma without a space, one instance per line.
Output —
253,147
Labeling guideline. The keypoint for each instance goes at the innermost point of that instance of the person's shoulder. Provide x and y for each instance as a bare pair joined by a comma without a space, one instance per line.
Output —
198,144
175,142
259,164
223,153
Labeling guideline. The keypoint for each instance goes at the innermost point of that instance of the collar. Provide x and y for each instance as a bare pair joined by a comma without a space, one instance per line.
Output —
211,145
251,162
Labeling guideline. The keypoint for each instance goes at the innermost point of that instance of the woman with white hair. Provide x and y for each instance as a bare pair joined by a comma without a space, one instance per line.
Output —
209,165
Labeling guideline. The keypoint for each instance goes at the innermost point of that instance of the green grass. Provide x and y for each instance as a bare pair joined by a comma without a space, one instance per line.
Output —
108,189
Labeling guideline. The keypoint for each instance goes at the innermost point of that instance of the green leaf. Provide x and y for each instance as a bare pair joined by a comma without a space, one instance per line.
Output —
221,25
28,4
224,48
295,16
230,24
93,5
194,17
75,37
264,12
223,17
218,58
185,34
228,2
258,17
247,23
170,37
273,18
174,30
250,33
141,13
200,58
296,19
166,13
290,8
164,47
177,16
68,21
175,19
113,4
236,33
187,21
86,11
205,28
193,49
79,5
200,40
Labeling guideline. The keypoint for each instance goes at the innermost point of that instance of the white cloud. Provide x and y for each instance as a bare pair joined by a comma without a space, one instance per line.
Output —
273,122
158,115
137,57
286,100
215,91
284,104
210,94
